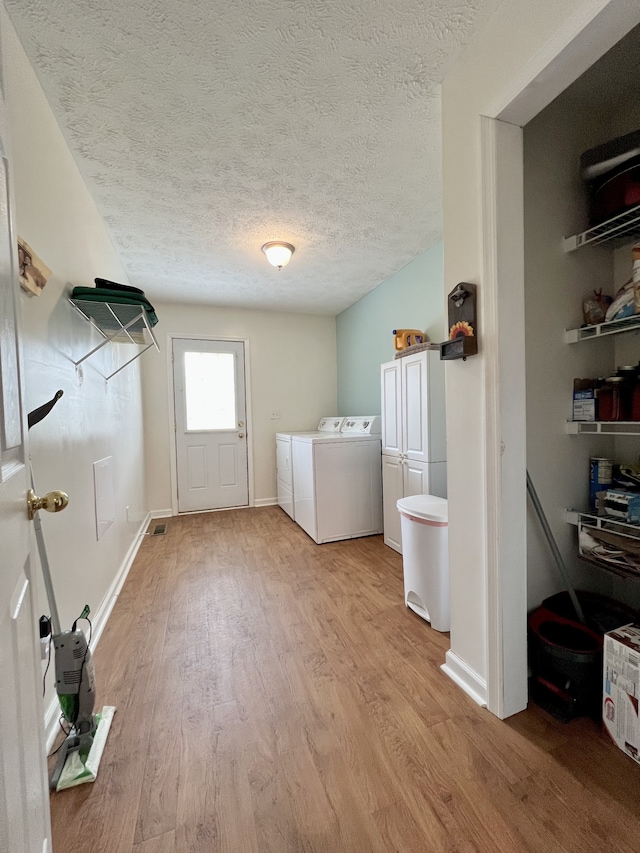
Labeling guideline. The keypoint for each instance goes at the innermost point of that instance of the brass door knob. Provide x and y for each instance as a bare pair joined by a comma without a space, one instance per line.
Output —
51,502
240,435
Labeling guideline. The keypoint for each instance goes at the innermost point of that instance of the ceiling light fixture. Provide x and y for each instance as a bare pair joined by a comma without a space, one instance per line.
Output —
278,253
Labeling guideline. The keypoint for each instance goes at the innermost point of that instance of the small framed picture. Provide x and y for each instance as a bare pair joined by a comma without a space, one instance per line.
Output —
34,274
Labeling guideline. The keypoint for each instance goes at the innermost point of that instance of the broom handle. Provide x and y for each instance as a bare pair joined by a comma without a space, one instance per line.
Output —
554,549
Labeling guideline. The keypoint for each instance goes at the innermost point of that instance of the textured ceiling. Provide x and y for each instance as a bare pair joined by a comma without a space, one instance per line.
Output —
205,128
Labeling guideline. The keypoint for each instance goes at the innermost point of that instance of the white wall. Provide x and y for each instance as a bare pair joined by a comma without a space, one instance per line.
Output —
57,217
292,367
515,46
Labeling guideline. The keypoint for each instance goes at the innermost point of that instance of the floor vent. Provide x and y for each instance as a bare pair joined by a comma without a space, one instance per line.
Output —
159,530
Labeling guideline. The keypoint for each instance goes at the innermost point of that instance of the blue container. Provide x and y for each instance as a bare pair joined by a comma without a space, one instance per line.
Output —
600,478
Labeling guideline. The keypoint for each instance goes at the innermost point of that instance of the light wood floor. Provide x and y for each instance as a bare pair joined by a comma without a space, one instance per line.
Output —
275,696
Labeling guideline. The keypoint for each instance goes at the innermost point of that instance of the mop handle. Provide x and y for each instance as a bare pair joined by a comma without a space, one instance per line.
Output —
46,569
554,549
34,418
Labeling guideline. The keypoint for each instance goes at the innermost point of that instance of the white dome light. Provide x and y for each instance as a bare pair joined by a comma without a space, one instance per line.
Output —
278,253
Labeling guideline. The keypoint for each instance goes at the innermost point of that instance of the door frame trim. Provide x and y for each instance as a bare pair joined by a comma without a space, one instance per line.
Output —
171,336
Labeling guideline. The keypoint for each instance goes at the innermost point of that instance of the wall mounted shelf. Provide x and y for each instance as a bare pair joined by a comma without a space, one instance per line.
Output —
604,522
623,530
603,427
118,324
600,330
617,230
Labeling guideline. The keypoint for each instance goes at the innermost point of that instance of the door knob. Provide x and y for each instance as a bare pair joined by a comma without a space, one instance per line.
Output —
52,502
240,423
240,435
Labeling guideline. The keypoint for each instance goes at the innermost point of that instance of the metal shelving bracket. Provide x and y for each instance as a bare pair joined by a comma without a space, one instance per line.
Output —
117,323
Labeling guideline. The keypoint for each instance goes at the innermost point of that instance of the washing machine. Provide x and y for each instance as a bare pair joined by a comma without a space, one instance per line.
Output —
337,481
284,468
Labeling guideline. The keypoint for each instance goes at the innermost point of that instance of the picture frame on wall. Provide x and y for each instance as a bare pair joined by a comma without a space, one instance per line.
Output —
34,273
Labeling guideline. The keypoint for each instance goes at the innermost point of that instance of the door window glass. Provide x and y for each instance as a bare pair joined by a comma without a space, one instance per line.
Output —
210,390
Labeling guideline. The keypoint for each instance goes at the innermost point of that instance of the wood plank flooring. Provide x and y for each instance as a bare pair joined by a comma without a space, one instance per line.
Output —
275,696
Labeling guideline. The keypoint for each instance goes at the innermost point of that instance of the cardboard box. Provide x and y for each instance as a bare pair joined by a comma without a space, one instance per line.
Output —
584,400
617,503
621,677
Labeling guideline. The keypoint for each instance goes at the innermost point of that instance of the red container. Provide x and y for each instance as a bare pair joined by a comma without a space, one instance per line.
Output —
610,406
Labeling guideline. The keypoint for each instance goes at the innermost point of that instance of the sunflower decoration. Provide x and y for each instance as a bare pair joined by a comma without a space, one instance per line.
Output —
461,329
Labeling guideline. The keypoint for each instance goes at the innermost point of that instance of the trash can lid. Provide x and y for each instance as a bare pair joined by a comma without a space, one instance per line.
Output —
426,507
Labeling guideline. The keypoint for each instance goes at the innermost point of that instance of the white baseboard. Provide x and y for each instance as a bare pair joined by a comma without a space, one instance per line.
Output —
160,513
265,502
466,678
52,713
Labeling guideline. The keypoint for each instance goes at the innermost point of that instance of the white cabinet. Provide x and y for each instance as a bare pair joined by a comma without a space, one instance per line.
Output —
404,477
413,434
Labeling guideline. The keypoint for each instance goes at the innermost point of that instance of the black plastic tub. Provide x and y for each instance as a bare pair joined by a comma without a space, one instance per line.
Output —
602,614
566,661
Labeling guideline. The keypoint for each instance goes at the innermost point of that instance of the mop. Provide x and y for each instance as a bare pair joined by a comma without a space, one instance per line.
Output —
557,556
80,753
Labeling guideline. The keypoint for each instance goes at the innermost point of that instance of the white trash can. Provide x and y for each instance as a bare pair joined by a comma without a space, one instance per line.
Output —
425,557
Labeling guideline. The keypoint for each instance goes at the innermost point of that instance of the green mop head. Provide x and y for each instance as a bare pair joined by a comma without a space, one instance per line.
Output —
81,764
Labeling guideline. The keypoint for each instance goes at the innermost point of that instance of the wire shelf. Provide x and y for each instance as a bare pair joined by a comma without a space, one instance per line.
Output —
119,324
619,229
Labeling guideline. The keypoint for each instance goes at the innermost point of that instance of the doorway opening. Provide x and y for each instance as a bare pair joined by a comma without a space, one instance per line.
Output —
508,239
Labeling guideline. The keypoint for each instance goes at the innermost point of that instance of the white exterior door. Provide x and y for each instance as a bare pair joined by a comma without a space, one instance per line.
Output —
210,423
24,795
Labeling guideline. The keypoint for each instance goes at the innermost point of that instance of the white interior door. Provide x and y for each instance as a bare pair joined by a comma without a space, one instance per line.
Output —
24,796
210,424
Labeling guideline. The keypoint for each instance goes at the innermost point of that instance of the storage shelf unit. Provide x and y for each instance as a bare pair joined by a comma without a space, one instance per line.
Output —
603,427
616,231
117,323
620,229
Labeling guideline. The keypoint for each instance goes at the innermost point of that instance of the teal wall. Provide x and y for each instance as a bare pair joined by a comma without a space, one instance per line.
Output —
411,299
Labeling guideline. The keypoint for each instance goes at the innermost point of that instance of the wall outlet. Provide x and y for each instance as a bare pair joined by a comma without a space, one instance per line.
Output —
275,414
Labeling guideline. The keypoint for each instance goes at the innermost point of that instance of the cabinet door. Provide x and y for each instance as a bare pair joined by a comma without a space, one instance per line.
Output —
391,494
415,479
391,397
424,478
415,406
